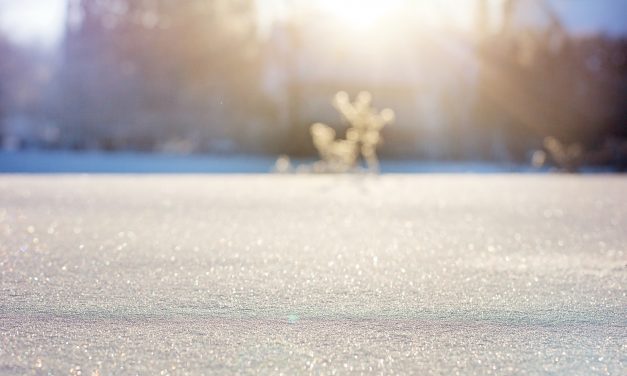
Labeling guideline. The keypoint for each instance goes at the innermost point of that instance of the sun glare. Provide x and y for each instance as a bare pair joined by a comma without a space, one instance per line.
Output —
359,14
32,20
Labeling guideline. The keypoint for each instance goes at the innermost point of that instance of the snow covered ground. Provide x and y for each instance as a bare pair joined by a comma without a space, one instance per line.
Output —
130,162
293,274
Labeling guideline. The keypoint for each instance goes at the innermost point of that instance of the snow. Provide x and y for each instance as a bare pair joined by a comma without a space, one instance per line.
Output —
292,274
133,162
129,162
38,162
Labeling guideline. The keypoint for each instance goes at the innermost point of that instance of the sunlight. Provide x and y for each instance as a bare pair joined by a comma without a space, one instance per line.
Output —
359,15
32,20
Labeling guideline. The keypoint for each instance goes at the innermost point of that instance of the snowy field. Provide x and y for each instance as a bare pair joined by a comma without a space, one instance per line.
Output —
132,162
297,274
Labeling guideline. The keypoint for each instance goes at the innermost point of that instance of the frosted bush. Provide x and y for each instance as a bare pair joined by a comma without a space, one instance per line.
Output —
566,157
362,137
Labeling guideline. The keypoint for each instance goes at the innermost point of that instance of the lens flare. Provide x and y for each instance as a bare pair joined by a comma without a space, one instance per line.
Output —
359,15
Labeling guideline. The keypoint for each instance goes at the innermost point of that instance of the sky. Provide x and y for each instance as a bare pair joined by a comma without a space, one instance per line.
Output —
41,21
589,16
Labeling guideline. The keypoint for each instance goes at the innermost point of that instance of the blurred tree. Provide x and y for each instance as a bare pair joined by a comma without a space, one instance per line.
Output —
5,74
141,73
536,80
24,75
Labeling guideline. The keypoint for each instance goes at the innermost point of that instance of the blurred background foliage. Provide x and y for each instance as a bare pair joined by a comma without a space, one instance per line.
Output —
211,76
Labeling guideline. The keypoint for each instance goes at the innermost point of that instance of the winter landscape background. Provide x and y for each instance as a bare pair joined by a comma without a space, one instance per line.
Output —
470,80
313,187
